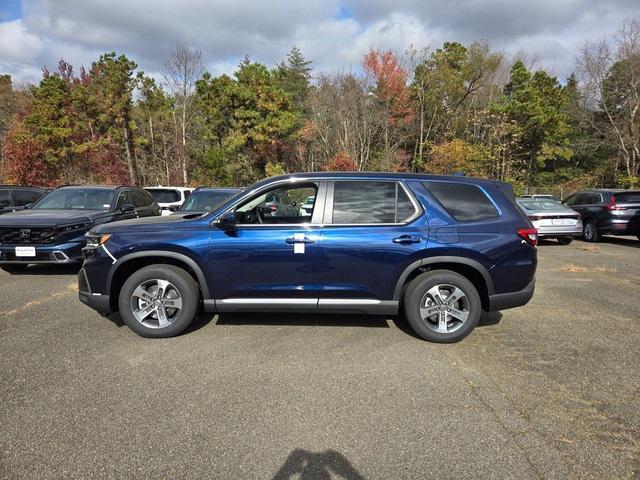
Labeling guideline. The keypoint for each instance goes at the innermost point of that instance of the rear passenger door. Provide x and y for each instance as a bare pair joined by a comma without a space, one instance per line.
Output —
372,230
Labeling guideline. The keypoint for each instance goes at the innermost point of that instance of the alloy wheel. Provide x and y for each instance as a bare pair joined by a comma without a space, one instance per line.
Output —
444,308
156,303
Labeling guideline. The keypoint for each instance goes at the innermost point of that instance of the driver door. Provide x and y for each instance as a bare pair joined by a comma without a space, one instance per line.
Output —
271,258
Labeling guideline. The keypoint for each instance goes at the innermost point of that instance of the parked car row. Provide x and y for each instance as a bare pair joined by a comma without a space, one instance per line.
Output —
51,228
589,214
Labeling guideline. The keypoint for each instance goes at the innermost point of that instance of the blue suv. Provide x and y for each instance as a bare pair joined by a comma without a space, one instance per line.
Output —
439,248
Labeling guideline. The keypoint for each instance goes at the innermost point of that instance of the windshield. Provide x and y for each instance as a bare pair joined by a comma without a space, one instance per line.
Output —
77,199
539,204
165,195
205,200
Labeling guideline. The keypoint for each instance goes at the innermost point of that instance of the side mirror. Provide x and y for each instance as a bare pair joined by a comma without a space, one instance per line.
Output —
127,208
227,222
1,207
173,208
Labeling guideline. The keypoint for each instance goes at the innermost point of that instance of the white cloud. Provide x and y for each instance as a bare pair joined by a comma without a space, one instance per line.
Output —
226,30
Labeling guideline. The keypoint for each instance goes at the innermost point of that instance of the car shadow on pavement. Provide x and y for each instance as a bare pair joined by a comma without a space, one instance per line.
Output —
50,269
202,319
486,319
303,319
306,465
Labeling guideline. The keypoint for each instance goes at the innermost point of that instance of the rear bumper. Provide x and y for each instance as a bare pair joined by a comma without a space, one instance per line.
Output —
504,301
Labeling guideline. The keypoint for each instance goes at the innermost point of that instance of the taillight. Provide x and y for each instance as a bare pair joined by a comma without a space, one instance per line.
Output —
612,205
529,235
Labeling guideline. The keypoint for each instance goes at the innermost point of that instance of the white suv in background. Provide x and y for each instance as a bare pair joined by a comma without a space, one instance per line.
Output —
169,198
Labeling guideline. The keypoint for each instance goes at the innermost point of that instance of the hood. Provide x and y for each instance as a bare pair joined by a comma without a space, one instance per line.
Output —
29,218
141,224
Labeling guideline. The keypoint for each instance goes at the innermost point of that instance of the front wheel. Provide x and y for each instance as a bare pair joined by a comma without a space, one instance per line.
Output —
442,306
159,301
590,231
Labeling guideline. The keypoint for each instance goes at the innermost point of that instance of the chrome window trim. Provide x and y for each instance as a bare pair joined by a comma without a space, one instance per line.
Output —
328,216
321,191
480,187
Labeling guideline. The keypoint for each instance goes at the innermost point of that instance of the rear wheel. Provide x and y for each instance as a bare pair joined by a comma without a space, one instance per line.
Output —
590,231
159,301
565,240
442,306
14,267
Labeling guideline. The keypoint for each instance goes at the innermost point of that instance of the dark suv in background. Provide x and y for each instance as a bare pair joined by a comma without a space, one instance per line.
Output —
52,229
14,198
441,249
607,212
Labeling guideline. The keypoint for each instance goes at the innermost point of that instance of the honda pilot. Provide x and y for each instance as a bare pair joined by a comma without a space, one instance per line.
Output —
439,249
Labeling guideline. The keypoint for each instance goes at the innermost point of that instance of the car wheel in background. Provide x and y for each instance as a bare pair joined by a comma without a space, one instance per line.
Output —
565,240
14,268
159,301
442,306
590,231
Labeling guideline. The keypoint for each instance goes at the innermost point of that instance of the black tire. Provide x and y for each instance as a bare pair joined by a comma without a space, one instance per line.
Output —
180,280
14,268
590,231
565,240
417,291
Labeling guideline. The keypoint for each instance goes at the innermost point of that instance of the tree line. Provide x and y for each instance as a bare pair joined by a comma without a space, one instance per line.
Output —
455,109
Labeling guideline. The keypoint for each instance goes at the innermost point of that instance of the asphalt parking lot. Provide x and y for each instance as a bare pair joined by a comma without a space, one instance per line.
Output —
549,390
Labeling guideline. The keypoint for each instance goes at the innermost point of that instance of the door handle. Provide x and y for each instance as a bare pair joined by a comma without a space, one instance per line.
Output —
407,239
292,240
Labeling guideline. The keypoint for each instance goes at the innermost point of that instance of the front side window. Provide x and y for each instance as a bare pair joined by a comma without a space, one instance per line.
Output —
5,198
76,199
462,201
125,198
281,205
371,202
139,199
22,198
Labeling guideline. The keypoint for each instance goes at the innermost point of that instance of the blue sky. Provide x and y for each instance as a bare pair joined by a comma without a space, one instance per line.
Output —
10,10
334,34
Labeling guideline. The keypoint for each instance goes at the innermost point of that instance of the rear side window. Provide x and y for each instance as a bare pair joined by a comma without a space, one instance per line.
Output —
22,198
462,201
165,195
368,202
628,197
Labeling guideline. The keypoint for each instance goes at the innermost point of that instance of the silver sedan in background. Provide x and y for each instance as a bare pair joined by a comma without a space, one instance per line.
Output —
552,219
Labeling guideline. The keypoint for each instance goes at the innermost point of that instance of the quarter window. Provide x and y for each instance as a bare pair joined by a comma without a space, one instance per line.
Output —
368,202
462,201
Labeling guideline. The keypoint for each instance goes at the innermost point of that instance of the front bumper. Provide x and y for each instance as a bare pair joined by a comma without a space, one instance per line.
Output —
45,254
504,301
97,301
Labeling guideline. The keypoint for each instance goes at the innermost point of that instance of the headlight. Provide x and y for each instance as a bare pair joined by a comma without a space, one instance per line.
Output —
95,240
